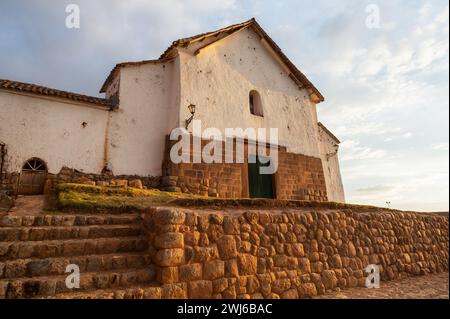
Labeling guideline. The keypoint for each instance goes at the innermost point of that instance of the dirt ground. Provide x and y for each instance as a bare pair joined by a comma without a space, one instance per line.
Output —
421,287
31,205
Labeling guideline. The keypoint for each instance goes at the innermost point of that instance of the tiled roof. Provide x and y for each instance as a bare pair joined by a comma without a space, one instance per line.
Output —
42,90
169,53
185,41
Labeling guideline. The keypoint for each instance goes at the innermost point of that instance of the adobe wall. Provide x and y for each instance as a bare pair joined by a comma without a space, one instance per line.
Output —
292,254
298,177
53,131
135,139
219,78
332,172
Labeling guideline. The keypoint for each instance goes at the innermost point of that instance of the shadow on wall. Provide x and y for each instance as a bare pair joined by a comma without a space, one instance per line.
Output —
296,254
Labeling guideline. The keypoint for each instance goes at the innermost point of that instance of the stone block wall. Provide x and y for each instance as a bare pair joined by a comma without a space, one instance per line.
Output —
298,177
9,182
293,254
70,175
214,180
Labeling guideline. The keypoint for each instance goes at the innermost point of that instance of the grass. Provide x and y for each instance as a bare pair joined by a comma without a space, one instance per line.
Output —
109,198
88,198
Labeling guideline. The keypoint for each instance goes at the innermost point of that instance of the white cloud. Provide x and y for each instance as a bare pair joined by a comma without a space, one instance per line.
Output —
402,136
440,146
353,150
375,189
365,128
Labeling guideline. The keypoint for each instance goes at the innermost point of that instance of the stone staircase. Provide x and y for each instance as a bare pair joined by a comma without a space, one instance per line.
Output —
111,252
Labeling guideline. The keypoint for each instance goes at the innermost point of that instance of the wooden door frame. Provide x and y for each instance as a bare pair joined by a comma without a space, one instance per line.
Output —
44,172
246,182
244,170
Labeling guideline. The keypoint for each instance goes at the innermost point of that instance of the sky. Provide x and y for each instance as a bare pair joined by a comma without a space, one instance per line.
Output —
383,67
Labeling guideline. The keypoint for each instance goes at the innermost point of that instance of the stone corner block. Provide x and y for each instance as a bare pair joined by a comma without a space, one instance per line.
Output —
168,216
169,257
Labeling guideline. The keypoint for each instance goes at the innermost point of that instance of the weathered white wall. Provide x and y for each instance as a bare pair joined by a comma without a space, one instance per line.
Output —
51,130
153,101
218,80
331,170
136,138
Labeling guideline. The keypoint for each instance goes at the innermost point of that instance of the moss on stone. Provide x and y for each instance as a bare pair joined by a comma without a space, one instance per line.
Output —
82,197
109,198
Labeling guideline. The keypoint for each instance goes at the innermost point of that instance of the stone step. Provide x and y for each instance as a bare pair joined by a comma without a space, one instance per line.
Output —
71,247
24,233
69,220
148,291
57,266
52,285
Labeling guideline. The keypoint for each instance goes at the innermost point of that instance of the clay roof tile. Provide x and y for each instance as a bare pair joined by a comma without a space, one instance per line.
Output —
42,90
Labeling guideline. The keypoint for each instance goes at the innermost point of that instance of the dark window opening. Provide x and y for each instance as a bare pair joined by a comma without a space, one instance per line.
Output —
252,106
255,103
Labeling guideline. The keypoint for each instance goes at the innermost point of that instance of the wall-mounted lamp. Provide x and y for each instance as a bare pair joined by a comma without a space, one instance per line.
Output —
191,108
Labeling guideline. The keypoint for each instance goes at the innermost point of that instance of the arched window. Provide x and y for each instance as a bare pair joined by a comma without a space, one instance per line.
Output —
34,164
255,103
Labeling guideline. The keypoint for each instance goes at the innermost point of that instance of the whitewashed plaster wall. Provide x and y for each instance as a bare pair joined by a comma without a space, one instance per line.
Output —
137,129
153,101
52,130
331,170
218,80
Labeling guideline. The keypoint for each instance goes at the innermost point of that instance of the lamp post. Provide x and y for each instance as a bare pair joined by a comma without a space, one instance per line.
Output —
191,108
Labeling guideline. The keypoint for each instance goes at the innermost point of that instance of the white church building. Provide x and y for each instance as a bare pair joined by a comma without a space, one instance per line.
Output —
236,77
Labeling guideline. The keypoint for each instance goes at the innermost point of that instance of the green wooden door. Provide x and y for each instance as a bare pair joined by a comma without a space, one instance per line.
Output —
260,185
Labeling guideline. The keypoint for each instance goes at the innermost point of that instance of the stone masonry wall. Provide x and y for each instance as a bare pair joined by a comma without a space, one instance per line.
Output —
298,177
10,181
70,175
292,254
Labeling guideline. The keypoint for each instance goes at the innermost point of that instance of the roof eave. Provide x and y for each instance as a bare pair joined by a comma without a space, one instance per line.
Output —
171,52
118,66
40,91
314,93
326,130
